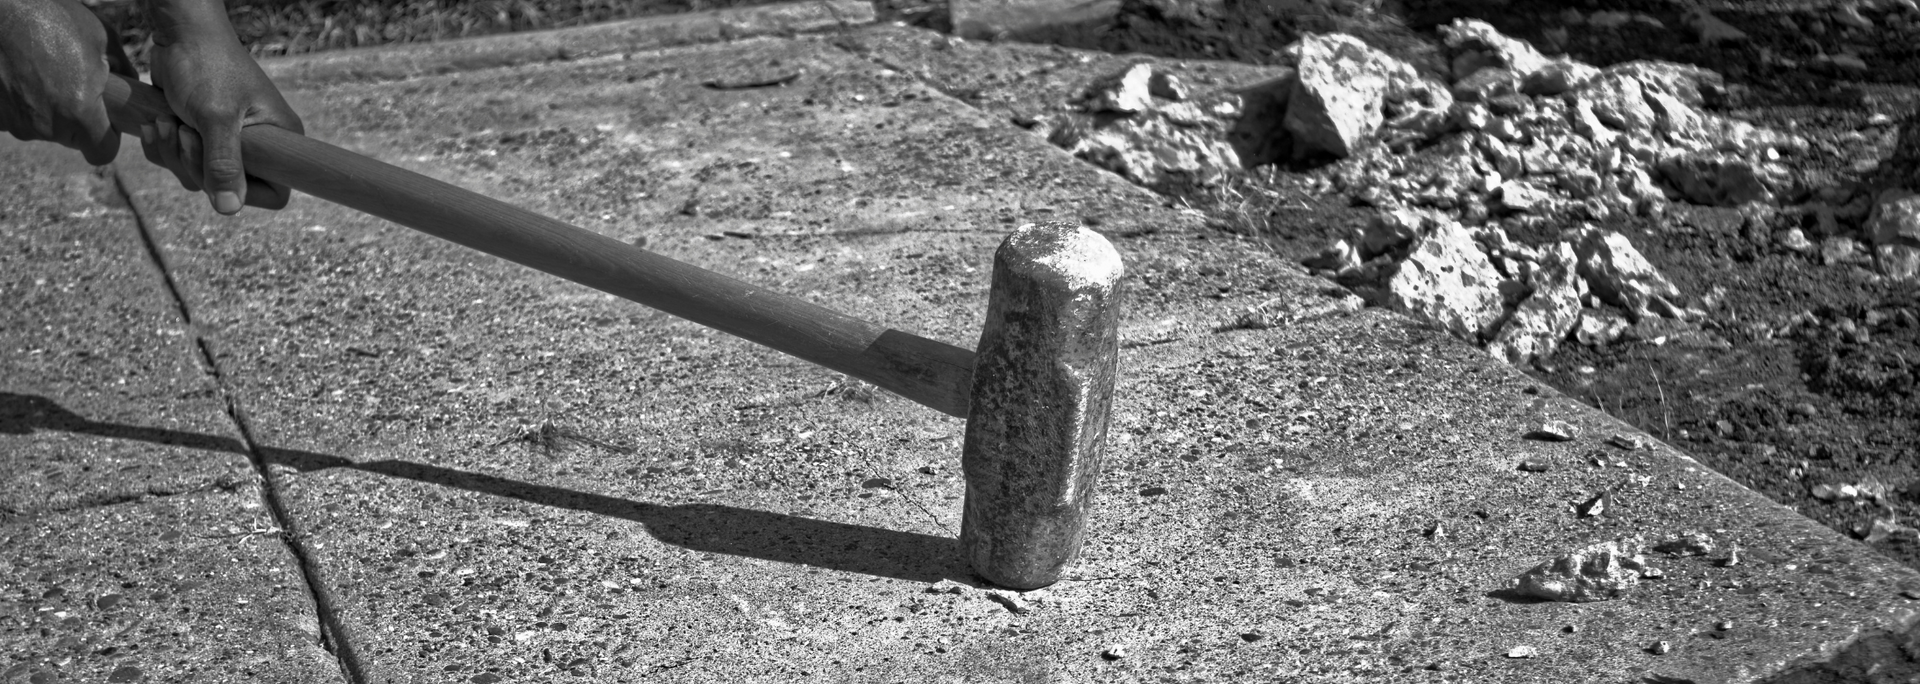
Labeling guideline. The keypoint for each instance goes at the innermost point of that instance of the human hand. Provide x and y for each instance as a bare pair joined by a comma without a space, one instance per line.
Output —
54,59
215,89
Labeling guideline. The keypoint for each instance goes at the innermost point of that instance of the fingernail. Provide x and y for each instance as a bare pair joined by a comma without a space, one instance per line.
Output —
226,202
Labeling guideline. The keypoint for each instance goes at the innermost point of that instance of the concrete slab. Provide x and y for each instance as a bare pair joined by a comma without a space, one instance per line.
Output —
134,541
533,47
507,477
102,397
195,587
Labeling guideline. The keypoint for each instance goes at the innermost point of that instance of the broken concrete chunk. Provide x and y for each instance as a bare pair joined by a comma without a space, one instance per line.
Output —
1895,230
1594,573
1619,275
1548,314
1473,44
1126,92
1520,197
1338,94
1558,76
1164,85
1445,280
1716,179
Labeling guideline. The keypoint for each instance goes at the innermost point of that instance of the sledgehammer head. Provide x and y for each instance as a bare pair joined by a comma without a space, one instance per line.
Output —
1042,391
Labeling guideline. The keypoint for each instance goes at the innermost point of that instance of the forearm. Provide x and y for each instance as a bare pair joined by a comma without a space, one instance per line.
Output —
175,21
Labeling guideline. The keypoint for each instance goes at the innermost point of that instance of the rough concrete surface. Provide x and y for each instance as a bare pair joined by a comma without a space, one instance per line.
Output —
532,47
190,588
134,541
102,397
505,477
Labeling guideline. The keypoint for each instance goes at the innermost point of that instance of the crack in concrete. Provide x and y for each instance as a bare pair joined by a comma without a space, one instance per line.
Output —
105,499
333,634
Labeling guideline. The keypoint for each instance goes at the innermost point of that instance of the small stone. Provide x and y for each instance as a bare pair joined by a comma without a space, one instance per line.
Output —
1251,636
1793,239
1628,442
1115,652
1662,647
1911,593
1592,507
1723,625
1652,573
1013,603
1534,465
1555,431
1686,544
1165,85
1522,652
1571,629
1153,491
947,586
1437,531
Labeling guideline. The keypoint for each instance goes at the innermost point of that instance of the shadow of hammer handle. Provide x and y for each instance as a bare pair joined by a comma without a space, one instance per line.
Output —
931,373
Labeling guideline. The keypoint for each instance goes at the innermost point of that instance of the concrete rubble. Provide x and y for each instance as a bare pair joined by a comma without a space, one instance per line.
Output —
1508,143
1597,572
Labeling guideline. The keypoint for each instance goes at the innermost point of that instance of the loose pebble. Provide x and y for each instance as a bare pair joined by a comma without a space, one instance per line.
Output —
1627,442
1014,604
1521,652
1555,431
1114,652
1534,465
1660,647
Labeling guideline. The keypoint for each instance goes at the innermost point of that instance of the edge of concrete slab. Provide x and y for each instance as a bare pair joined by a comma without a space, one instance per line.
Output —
397,62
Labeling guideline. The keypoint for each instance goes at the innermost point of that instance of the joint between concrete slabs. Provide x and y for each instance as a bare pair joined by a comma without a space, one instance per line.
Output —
333,635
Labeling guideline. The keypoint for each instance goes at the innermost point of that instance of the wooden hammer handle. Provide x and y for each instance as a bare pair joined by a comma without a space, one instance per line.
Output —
935,374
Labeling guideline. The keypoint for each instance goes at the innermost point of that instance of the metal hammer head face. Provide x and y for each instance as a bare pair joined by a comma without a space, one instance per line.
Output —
1042,393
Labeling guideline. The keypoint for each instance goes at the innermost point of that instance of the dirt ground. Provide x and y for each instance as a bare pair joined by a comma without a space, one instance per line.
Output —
1808,375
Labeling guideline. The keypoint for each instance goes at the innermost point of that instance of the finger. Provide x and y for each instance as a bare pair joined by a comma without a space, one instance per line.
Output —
267,195
96,139
223,177
167,147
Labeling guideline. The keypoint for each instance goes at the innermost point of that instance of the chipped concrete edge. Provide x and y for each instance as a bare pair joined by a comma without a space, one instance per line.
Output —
397,62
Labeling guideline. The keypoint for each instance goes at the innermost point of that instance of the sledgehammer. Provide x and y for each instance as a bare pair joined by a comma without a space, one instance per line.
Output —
1036,396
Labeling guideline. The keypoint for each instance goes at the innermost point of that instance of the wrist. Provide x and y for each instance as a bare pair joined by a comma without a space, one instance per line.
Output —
179,21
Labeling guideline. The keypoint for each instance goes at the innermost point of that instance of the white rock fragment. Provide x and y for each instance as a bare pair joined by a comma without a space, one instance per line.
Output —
1338,94
1619,275
1447,280
1473,45
1126,92
1522,652
1555,431
1597,572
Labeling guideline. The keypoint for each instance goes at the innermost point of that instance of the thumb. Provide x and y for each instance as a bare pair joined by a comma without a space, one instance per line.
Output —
222,175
